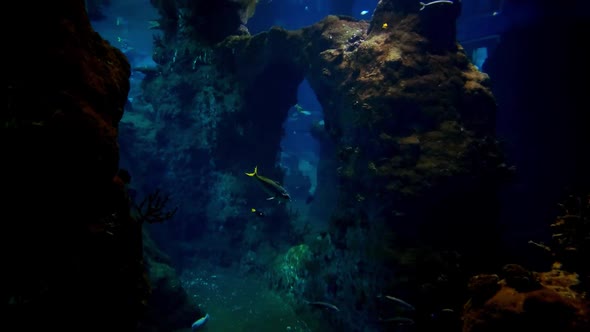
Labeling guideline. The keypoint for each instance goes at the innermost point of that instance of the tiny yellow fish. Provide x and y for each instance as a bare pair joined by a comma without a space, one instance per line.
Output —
257,212
384,26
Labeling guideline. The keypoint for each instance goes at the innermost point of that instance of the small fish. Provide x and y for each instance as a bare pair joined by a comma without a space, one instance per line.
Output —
257,212
364,12
154,24
302,110
273,188
398,320
200,322
121,22
322,304
444,313
400,301
384,26
424,5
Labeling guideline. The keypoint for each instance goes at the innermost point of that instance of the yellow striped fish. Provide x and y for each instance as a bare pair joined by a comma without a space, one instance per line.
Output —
273,188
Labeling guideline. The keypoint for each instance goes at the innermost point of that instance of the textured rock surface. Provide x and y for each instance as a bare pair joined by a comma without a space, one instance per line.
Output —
412,121
169,308
75,256
73,253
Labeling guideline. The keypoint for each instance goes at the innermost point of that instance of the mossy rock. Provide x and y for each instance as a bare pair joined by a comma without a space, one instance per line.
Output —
291,269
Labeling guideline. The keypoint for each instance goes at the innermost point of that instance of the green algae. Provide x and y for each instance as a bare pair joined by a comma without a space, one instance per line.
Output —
238,303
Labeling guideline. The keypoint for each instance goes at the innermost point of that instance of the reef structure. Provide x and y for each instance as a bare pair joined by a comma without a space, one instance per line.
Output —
557,299
410,119
520,299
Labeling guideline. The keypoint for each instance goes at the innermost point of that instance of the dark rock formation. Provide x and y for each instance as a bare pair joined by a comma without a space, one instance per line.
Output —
169,308
72,252
519,278
75,259
209,21
570,238
482,287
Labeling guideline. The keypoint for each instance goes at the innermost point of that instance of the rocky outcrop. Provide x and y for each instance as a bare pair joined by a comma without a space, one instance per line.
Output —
412,122
209,21
75,258
169,307
72,250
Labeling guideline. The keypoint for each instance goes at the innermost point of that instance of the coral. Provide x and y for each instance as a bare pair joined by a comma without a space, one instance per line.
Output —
169,308
482,287
290,271
523,299
551,304
152,209
570,240
203,20
571,233
519,278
